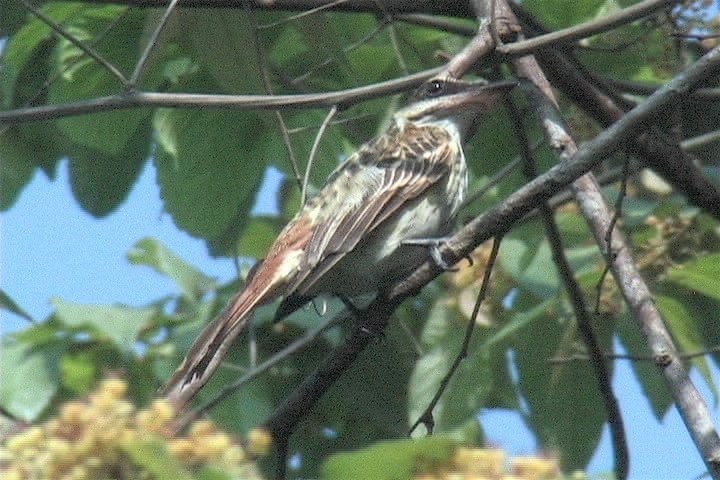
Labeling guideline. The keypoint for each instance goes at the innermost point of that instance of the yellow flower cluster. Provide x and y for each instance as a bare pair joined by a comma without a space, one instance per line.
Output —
491,464
91,439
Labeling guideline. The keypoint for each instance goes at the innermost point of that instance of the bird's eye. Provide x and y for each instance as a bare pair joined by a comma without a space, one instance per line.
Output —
434,88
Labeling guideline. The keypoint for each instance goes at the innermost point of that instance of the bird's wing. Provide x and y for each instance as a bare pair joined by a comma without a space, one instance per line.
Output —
380,186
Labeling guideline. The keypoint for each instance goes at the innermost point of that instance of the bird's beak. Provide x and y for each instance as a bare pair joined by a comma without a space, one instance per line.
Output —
476,96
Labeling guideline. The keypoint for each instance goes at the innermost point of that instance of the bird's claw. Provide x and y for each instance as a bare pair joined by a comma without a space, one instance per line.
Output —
433,245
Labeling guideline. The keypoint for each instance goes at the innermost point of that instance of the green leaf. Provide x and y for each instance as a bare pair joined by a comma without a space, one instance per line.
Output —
151,252
79,371
29,378
390,460
206,169
687,334
224,43
152,456
22,46
318,31
533,270
13,17
101,181
121,325
83,78
571,13
647,374
565,409
443,334
258,236
7,303
701,275
480,381
16,166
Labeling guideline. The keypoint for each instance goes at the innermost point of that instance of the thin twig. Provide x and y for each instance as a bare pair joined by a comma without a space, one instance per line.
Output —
309,11
313,151
608,251
81,45
396,47
580,357
700,141
152,43
587,29
295,347
267,85
559,37
426,418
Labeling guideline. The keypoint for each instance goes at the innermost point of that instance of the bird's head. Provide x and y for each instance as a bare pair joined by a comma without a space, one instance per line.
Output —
452,103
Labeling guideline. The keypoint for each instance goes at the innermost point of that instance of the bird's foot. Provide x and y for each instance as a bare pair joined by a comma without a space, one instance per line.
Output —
433,245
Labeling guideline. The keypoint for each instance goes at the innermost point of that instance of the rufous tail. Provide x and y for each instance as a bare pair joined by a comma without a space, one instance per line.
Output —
210,348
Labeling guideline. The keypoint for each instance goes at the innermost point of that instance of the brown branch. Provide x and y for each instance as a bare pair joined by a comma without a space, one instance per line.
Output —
588,29
547,39
542,100
667,159
343,98
579,357
452,9
577,298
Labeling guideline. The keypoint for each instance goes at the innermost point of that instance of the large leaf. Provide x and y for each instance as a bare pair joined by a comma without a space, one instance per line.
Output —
101,181
687,333
13,17
565,409
258,236
29,378
25,146
318,31
16,167
152,456
154,254
646,373
20,49
481,381
223,41
570,14
206,167
390,460
533,270
121,325
83,78
7,303
701,275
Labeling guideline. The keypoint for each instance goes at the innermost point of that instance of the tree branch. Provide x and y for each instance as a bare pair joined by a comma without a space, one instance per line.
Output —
587,29
343,98
541,99
452,9
669,160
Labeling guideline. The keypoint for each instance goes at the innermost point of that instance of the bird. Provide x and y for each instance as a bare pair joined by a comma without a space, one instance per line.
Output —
371,224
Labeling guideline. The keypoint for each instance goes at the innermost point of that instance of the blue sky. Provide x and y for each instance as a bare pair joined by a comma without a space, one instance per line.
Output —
50,247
